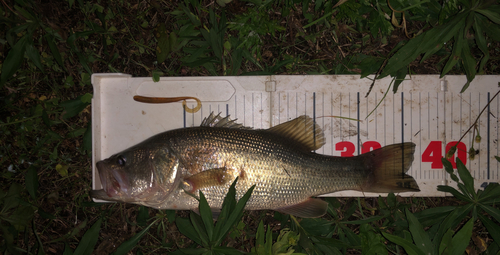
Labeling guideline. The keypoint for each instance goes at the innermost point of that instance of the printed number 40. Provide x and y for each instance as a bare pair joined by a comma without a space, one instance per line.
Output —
434,152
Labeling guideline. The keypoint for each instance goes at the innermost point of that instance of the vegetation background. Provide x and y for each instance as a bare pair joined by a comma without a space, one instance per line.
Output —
49,50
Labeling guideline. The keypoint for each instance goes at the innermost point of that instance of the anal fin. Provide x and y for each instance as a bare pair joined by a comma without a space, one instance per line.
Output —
310,208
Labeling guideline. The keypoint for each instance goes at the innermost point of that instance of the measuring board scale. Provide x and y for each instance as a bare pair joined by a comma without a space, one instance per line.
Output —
264,101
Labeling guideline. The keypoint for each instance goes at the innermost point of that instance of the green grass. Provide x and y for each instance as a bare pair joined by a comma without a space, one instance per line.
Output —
50,49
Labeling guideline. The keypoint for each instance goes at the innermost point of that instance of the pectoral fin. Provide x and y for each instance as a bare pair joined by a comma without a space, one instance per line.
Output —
310,208
208,178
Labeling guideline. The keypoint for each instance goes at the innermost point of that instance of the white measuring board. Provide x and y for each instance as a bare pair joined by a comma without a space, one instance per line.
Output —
426,110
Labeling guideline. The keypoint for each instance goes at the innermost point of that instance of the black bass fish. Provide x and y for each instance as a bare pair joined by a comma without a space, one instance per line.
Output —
167,170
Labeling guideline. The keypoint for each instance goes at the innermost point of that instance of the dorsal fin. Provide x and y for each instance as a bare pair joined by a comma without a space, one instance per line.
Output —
217,121
303,130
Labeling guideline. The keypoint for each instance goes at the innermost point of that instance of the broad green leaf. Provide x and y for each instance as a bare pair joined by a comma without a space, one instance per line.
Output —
492,211
491,192
492,227
142,216
451,221
187,229
455,54
454,192
32,181
156,75
269,241
420,237
446,242
89,240
409,247
259,239
34,56
493,16
497,158
399,78
462,238
67,250
199,228
13,60
163,47
128,245
55,51
228,250
87,98
72,107
234,217
481,43
433,215
469,63
426,42
206,216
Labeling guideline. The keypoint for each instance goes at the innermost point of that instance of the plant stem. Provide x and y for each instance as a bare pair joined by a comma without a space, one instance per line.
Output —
477,119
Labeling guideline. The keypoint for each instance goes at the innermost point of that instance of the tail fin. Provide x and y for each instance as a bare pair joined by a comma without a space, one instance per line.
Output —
387,169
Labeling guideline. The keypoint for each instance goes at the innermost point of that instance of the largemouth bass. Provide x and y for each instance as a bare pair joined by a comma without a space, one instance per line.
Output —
167,170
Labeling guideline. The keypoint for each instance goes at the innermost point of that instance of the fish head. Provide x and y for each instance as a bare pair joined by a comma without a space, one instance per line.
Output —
141,174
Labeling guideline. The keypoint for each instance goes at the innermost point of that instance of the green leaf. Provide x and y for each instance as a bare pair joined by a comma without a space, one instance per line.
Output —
206,216
67,250
32,181
451,221
89,240
223,226
409,247
268,246
469,63
428,41
142,216
454,192
199,228
187,229
492,227
156,75
433,215
87,98
455,54
55,51
128,245
492,211
491,192
446,242
399,78
462,238
259,239
493,16
163,47
497,158
72,107
466,177
13,60
34,56
420,237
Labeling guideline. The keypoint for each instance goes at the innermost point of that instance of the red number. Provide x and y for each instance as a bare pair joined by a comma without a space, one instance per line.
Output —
461,151
347,149
370,146
433,153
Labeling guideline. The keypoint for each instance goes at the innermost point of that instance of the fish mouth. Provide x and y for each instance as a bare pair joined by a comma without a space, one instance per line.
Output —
112,180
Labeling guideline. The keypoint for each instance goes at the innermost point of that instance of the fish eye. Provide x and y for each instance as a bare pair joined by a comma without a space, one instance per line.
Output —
121,160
